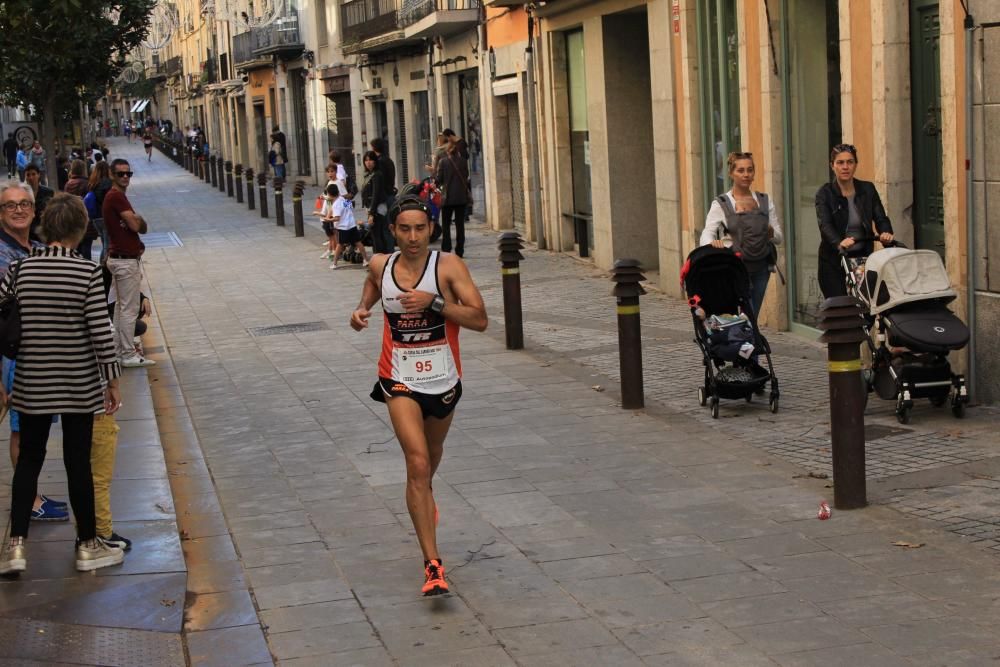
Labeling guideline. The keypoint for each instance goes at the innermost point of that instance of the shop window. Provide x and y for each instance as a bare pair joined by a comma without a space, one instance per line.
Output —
813,121
718,46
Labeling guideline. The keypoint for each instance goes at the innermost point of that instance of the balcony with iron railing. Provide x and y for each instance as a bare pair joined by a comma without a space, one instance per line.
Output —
366,19
173,66
243,51
376,25
413,12
281,38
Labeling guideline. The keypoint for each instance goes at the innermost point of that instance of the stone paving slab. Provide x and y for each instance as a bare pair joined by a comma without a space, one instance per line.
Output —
574,532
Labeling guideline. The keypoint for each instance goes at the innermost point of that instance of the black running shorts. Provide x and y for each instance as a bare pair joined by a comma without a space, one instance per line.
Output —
438,406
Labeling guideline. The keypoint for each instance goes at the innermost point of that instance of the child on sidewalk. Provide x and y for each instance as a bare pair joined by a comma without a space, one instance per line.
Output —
326,215
102,467
341,214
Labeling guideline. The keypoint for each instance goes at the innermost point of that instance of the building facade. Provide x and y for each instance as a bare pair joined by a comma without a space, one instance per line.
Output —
639,102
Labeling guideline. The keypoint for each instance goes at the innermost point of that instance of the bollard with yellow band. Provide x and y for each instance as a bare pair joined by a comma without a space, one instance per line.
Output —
262,186
841,321
250,186
279,201
510,246
221,167
627,276
238,175
297,191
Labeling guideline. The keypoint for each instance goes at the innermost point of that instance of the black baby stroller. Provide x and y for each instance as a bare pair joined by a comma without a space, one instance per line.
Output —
910,329
725,327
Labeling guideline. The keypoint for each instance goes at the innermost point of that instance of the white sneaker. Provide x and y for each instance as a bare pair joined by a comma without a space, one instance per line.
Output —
14,556
325,255
95,554
137,362
334,267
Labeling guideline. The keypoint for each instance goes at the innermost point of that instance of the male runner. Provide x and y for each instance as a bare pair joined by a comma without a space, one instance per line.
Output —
426,297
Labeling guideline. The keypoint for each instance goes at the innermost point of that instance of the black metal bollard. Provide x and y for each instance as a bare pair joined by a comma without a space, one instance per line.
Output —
238,170
187,160
249,178
229,178
262,186
279,202
299,223
510,246
220,166
627,274
841,321
204,169
213,176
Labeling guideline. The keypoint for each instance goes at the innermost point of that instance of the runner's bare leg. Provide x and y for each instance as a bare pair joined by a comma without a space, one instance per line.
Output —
408,423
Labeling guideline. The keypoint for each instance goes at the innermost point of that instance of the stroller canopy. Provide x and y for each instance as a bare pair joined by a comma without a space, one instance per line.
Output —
895,276
717,280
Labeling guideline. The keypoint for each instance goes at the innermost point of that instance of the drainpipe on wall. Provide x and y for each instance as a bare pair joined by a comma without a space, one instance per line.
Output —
533,144
970,208
432,92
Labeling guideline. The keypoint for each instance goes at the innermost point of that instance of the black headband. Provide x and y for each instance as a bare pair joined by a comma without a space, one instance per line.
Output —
408,203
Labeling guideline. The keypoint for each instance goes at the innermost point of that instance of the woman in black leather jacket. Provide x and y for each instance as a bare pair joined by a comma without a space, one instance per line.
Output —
847,210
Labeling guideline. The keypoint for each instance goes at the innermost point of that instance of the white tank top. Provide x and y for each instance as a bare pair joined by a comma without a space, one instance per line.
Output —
420,349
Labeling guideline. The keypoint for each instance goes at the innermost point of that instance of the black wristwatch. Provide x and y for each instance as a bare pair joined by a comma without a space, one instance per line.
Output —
437,305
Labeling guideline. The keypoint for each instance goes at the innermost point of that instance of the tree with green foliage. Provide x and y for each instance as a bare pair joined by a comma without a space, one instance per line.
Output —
57,53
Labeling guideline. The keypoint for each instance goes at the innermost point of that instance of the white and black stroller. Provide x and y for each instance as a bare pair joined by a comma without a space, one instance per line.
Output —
910,329
726,331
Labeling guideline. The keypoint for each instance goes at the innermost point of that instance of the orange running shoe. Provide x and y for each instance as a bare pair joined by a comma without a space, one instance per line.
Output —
434,583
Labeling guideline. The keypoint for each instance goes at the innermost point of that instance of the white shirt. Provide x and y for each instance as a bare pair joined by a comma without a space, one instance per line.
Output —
343,212
716,219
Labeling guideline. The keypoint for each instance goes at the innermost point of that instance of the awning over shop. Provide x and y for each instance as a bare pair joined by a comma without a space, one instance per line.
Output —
139,106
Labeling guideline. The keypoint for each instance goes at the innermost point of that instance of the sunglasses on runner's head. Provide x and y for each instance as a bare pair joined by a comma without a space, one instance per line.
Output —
124,173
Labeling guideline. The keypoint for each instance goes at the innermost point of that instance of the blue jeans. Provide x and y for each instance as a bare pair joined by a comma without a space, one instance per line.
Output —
279,171
758,287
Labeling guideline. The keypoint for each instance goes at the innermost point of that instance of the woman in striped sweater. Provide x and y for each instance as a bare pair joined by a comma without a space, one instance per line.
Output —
66,365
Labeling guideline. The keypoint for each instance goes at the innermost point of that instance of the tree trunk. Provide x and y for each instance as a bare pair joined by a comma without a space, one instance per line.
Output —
48,140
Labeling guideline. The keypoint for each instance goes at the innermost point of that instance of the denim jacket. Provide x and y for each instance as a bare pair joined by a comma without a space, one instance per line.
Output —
832,213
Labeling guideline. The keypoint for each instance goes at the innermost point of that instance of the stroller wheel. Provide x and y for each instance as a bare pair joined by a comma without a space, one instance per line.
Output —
715,408
903,415
958,410
773,405
702,396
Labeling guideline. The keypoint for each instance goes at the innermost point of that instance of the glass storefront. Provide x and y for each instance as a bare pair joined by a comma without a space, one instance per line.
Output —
579,128
812,126
718,45
340,129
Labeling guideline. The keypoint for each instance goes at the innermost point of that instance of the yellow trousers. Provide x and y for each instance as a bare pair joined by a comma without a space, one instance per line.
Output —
102,465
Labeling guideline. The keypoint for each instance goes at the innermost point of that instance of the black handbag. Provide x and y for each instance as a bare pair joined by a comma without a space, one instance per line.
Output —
10,318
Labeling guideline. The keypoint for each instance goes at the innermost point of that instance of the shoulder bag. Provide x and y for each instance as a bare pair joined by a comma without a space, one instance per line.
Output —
10,318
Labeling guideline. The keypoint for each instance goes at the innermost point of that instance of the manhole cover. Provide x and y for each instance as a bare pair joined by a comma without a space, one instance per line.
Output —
877,431
257,332
161,240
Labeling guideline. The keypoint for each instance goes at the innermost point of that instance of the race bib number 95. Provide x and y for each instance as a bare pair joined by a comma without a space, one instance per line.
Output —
422,364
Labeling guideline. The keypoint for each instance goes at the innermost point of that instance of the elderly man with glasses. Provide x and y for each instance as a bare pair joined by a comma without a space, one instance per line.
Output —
125,248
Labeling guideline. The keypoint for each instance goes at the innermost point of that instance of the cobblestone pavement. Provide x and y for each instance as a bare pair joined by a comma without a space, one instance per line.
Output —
574,532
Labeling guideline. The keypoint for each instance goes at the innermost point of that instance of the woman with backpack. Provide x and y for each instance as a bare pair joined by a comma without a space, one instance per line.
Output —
747,222
98,186
847,209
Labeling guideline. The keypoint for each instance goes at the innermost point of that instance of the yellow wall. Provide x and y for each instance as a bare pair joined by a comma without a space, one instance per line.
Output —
861,85
505,26
260,81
